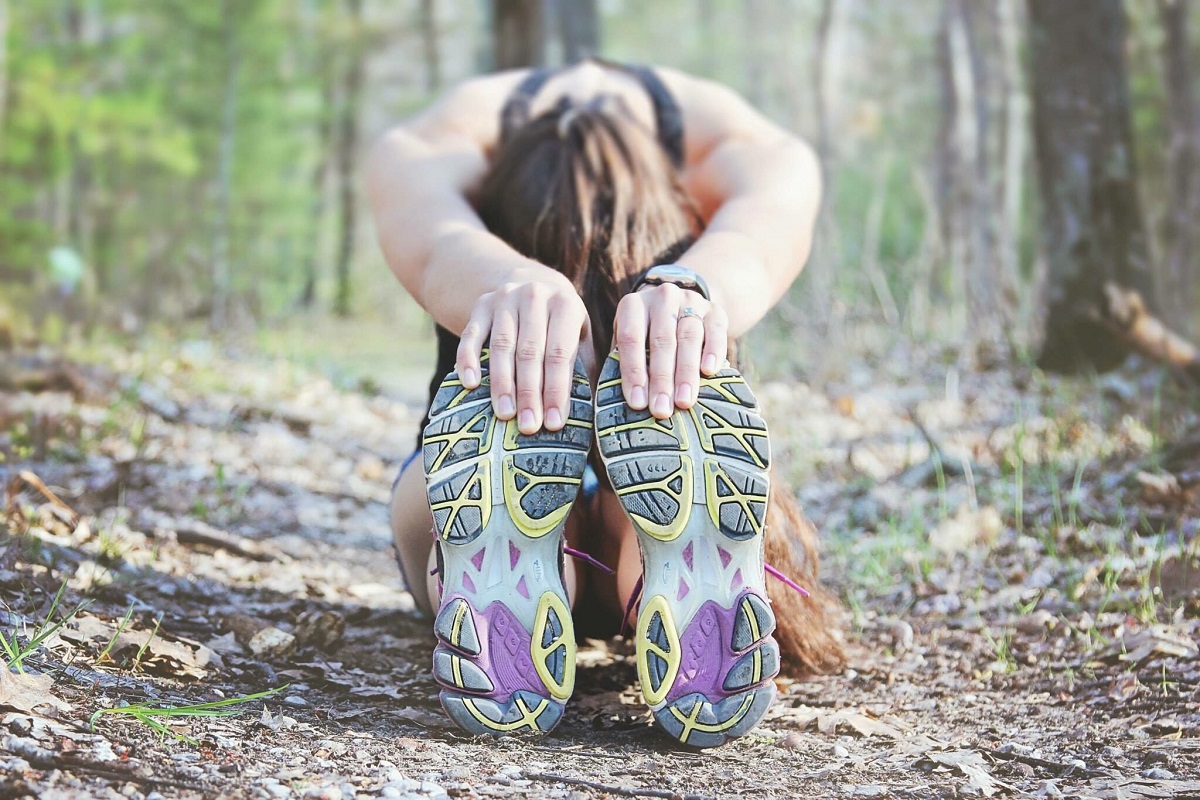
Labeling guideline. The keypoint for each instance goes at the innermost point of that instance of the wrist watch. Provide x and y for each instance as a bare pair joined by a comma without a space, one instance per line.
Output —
681,276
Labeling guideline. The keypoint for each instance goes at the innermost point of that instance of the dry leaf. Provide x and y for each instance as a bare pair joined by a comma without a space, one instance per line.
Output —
22,691
971,766
828,721
1137,788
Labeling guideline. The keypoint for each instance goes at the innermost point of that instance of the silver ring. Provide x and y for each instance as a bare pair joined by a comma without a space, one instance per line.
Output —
690,312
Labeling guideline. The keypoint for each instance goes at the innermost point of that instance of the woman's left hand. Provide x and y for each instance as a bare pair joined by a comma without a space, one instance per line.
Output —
685,334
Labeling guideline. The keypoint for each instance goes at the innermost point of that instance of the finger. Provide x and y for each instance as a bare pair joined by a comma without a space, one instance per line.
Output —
630,335
531,353
662,339
689,340
466,363
503,345
562,341
716,341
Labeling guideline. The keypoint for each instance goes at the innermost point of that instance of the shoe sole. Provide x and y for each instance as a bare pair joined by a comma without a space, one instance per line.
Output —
505,657
695,486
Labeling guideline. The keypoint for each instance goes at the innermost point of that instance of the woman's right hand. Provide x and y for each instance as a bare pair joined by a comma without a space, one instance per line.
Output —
535,328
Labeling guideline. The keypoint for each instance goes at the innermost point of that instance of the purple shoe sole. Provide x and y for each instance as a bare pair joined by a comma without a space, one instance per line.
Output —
695,486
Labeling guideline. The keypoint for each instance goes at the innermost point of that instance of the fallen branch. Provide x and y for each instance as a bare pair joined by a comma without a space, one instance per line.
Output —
1060,769
1126,314
620,791
194,532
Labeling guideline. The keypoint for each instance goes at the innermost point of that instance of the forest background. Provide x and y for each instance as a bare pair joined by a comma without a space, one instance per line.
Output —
203,160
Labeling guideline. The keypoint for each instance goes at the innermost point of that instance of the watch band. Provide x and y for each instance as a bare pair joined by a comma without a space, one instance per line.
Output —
677,274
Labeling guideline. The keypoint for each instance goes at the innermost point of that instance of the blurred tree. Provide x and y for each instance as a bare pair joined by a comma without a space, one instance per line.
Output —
3,64
1092,228
231,51
347,154
579,28
518,34
1183,162
429,47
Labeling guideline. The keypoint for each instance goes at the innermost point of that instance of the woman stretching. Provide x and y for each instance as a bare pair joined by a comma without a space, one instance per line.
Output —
633,221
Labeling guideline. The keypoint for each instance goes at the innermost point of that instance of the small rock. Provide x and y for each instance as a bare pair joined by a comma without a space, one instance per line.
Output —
510,771
458,774
1156,757
940,604
324,793
278,790
868,790
1112,752
1157,774
389,791
793,741
1048,789
1015,749
902,637
840,752
295,700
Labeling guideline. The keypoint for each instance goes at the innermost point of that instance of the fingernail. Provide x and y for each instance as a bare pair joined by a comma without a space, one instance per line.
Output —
526,421
554,419
468,378
637,397
505,406
662,405
709,364
683,393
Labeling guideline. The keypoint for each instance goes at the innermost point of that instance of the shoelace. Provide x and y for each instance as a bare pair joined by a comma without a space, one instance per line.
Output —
637,593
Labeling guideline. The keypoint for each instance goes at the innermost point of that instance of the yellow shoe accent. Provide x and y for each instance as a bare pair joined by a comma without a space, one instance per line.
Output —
452,438
646,647
690,722
559,690
710,424
481,479
716,477
683,497
528,718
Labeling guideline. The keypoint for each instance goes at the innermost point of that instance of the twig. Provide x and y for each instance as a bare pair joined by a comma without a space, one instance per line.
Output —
36,483
1063,770
620,791
199,533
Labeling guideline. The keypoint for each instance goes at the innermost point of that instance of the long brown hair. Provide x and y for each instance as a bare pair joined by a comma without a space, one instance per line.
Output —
587,190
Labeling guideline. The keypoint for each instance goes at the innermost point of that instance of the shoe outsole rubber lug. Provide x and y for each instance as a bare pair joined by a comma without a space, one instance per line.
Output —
505,658
696,487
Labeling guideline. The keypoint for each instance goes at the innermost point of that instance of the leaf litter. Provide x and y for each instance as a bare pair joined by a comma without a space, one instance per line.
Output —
1019,567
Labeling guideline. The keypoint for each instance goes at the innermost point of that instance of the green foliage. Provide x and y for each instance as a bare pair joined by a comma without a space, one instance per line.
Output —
152,715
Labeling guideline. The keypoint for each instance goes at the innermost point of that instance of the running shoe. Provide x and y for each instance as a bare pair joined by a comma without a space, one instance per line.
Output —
695,486
505,657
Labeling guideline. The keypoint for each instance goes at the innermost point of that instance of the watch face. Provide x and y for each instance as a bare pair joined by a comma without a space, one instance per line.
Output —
673,274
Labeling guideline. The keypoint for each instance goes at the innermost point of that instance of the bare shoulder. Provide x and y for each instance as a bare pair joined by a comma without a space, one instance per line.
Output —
469,111
714,113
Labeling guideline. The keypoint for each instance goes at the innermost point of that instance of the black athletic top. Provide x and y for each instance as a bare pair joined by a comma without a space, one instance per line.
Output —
668,120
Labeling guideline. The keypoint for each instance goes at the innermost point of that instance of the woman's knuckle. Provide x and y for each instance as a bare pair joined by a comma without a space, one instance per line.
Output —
502,342
558,355
658,340
529,351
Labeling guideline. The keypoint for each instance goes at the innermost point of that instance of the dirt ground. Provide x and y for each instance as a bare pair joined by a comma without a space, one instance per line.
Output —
1018,557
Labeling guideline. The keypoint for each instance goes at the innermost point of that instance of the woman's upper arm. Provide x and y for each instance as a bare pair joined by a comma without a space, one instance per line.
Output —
732,148
420,173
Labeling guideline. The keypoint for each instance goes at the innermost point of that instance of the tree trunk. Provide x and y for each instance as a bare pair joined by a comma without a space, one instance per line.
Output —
3,65
579,27
1015,113
1183,160
1092,227
517,34
347,158
755,56
320,172
429,47
221,237
821,268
